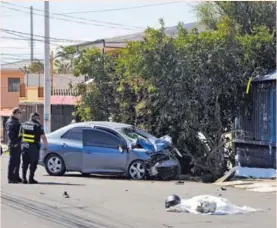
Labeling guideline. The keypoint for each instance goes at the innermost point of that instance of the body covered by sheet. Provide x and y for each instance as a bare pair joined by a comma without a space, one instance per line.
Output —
206,204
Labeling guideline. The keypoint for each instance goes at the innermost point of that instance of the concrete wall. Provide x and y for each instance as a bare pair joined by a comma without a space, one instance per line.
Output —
60,81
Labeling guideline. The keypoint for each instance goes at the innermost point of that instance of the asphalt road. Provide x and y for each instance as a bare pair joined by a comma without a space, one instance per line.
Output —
115,203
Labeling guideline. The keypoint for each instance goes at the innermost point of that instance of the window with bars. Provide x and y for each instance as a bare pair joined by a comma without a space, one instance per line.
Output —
13,84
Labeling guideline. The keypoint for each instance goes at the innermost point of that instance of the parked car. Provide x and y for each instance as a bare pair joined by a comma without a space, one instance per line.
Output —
110,148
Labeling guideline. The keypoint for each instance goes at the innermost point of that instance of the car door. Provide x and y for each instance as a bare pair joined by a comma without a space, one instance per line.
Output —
71,145
101,152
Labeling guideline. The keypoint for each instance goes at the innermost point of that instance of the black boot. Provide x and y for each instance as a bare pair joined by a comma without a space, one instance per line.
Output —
19,180
31,178
24,172
32,181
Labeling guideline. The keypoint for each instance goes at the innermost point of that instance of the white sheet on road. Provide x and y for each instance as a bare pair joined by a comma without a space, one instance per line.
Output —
222,206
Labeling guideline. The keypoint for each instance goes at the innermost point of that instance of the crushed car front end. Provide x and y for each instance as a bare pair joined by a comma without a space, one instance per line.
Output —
158,154
164,164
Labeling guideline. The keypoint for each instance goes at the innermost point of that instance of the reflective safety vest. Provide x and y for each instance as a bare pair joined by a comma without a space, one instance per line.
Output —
28,133
28,138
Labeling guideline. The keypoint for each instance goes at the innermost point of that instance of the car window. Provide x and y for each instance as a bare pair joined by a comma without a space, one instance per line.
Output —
75,133
101,139
67,135
108,130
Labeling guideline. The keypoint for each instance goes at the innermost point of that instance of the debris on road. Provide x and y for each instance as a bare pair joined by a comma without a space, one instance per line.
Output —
212,205
228,176
223,189
65,195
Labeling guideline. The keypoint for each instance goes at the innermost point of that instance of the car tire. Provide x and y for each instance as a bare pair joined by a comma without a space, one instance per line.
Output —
137,170
54,165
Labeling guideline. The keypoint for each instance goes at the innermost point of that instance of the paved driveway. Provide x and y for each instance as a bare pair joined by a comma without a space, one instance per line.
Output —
114,203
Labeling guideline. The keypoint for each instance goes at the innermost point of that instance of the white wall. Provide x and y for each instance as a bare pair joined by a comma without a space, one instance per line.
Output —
61,81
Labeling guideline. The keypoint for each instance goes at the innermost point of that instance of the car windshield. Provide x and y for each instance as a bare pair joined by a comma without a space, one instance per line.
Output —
133,134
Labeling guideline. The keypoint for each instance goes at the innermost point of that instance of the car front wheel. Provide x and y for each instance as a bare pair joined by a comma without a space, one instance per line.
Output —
137,170
54,165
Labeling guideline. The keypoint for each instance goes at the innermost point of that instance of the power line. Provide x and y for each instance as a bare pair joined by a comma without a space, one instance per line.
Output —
13,47
13,32
4,61
19,54
28,39
81,18
116,24
13,58
24,38
108,24
120,9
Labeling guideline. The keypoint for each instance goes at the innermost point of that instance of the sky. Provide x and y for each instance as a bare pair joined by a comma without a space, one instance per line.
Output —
82,21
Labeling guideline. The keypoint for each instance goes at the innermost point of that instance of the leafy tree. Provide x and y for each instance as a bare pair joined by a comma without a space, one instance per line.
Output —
62,67
64,59
98,97
193,83
243,16
36,67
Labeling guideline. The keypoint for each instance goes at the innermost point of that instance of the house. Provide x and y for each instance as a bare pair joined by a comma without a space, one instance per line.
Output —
112,44
12,75
257,147
19,88
63,99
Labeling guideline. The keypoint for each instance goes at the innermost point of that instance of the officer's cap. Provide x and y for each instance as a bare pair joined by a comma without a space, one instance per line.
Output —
16,110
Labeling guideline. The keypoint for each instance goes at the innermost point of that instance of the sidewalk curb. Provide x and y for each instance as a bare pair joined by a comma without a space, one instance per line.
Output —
259,185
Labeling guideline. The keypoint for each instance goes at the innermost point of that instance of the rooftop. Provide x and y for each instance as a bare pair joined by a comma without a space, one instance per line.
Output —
119,41
18,65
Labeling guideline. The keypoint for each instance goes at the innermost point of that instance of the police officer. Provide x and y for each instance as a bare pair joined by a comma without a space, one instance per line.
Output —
12,128
31,132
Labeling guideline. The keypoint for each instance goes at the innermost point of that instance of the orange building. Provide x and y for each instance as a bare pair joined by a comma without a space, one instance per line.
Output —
11,76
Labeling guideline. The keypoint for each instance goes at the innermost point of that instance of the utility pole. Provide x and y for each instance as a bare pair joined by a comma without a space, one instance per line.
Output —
47,69
52,71
32,34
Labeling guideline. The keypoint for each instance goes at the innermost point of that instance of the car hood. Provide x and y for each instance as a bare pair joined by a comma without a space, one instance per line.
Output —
157,145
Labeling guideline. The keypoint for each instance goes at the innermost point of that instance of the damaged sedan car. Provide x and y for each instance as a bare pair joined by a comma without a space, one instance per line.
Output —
109,148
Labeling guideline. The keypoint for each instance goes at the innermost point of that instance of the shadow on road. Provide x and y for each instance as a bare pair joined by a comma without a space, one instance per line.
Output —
110,177
56,183
95,176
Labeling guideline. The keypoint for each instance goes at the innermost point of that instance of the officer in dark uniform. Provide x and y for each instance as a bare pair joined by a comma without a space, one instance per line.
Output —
12,128
31,132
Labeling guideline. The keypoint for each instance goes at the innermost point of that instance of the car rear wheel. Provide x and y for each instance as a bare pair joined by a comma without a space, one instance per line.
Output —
137,170
54,165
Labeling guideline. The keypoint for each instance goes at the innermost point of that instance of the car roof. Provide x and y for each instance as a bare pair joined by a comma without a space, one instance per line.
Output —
112,125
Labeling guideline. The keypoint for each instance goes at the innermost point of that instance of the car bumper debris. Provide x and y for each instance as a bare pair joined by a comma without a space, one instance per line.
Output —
163,165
